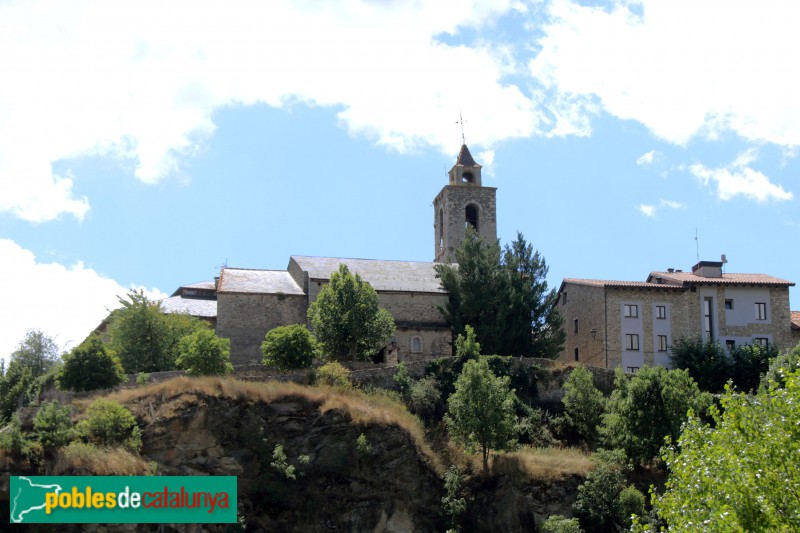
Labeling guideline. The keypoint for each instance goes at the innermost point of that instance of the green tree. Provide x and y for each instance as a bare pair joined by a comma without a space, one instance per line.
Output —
742,474
781,365
289,347
18,387
647,407
604,503
91,366
202,353
37,352
347,319
583,404
146,339
749,362
52,425
107,423
481,410
560,524
467,347
503,295
706,362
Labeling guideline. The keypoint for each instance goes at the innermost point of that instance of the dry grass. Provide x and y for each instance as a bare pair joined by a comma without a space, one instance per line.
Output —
80,457
545,464
164,399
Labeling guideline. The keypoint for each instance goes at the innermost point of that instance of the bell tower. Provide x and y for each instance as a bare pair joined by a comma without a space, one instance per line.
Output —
462,202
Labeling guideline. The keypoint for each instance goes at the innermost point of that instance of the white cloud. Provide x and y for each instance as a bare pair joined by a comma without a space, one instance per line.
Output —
142,80
647,210
648,158
682,68
486,159
672,205
738,179
650,210
67,303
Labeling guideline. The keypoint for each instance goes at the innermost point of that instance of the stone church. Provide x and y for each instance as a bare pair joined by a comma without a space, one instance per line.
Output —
244,303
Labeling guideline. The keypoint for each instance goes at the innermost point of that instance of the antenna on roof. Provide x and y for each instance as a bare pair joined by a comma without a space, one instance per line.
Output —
461,122
697,244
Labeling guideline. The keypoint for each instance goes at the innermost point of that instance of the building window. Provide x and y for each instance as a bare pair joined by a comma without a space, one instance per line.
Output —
761,341
632,369
416,345
630,310
563,298
662,343
471,216
577,355
761,311
575,323
728,304
708,323
730,345
661,311
631,341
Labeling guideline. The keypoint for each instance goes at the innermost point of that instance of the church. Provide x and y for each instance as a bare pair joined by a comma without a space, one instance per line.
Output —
244,304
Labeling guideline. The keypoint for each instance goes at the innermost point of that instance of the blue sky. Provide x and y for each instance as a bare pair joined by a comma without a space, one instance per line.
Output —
145,145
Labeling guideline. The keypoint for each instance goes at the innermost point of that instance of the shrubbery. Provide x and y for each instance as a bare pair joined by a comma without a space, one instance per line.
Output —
584,404
90,366
604,503
289,347
333,375
53,425
108,423
202,353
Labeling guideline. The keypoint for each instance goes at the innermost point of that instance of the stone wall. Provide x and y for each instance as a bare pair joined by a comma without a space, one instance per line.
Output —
453,200
246,318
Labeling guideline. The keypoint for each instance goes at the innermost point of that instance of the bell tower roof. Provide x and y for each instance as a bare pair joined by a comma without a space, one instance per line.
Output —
465,158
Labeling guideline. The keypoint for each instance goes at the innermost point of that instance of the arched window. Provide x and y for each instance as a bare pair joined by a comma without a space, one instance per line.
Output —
467,177
416,345
471,216
441,227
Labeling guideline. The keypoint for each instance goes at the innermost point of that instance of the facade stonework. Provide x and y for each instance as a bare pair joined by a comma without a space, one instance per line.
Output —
631,324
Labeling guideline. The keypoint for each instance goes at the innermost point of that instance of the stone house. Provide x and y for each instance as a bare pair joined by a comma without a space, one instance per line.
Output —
630,324
247,303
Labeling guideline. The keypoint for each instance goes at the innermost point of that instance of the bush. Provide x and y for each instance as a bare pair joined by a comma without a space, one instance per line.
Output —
629,503
363,447
333,375
453,502
748,363
108,423
584,404
142,378
647,407
424,397
780,367
53,426
706,362
402,378
559,524
13,439
289,347
597,505
202,353
91,366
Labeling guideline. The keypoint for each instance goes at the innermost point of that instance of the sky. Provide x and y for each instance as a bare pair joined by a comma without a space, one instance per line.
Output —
143,145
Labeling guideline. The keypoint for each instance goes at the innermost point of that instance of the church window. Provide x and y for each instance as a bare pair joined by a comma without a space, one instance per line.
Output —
471,216
467,177
441,227
416,345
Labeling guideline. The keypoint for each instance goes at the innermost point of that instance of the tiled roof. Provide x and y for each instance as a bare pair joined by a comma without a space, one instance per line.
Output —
405,276
795,319
194,306
465,158
615,283
241,280
726,279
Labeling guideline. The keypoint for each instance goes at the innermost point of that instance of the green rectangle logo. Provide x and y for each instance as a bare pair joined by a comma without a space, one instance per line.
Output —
123,499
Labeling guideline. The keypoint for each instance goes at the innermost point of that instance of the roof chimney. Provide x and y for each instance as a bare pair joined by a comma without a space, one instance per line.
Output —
708,269
671,270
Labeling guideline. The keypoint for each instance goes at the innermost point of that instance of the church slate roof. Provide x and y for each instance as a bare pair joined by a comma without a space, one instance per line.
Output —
465,158
243,280
194,306
399,276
